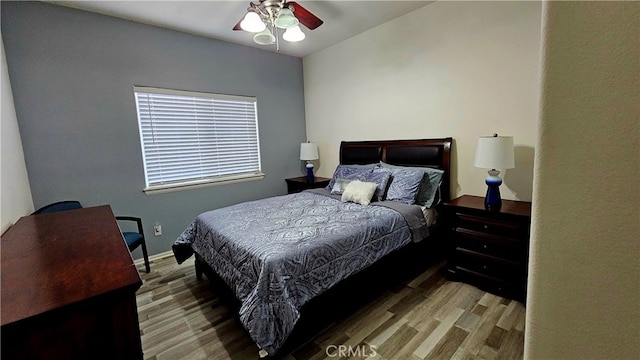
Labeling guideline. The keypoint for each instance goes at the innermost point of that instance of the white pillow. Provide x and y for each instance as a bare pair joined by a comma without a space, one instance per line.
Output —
359,192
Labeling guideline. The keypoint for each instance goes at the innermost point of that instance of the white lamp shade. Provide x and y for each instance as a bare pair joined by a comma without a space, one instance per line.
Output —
286,19
252,22
265,37
308,151
293,34
495,152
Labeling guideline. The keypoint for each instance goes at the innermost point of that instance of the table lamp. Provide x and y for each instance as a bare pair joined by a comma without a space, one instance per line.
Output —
308,152
494,152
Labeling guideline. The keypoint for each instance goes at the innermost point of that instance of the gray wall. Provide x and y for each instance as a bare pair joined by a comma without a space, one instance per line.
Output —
72,74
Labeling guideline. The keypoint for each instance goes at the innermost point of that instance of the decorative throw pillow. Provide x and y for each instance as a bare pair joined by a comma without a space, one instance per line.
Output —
359,192
348,172
405,184
381,178
429,187
339,186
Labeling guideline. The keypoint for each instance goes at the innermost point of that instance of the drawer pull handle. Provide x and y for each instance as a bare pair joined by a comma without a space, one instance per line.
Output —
485,246
486,227
484,267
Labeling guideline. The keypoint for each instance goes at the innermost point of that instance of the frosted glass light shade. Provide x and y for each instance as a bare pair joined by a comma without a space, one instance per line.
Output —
495,152
252,22
285,19
309,151
265,37
293,34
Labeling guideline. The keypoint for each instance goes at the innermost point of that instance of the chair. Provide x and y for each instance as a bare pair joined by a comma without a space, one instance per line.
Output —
133,239
58,206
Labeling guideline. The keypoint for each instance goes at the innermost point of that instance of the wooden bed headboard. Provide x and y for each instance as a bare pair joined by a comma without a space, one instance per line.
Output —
435,153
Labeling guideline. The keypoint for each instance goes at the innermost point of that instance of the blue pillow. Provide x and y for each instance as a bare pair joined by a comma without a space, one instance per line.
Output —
405,184
429,187
381,179
359,172
348,172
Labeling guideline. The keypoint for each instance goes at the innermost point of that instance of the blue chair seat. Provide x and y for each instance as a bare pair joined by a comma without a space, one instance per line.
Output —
133,239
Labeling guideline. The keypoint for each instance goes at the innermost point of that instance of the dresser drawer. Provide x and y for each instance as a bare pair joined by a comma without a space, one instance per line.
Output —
508,248
492,226
489,248
489,265
501,287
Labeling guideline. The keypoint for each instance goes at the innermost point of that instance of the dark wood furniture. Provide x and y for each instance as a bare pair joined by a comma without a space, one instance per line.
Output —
298,184
434,153
352,293
135,239
489,249
68,288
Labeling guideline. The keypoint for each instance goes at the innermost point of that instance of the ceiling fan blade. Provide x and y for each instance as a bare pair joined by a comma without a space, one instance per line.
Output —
304,16
237,27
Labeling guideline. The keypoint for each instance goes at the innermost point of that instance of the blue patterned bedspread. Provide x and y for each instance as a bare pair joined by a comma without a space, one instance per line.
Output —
278,253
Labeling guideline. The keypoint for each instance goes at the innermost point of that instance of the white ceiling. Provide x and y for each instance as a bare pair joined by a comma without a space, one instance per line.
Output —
215,19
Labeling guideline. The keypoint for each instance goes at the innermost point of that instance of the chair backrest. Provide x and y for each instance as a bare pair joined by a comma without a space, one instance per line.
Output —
58,206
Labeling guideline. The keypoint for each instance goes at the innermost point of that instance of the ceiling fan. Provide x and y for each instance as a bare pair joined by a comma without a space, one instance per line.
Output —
266,17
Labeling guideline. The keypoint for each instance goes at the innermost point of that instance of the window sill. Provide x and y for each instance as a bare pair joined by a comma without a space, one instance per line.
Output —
161,189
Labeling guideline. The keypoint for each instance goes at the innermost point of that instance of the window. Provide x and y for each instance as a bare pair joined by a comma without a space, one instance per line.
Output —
190,139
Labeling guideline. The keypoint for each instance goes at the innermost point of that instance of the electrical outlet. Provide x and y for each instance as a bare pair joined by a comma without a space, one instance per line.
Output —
157,230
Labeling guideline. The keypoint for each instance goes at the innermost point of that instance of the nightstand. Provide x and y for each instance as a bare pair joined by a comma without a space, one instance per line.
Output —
297,184
489,249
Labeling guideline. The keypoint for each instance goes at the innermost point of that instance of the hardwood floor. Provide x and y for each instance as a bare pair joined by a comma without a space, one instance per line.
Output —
423,317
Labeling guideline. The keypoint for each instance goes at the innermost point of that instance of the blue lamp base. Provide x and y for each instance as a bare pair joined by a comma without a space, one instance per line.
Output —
310,177
492,200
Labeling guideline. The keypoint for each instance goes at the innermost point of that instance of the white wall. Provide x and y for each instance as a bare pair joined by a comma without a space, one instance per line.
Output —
460,69
584,272
15,193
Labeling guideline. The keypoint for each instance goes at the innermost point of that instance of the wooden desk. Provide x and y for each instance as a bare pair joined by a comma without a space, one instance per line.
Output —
68,288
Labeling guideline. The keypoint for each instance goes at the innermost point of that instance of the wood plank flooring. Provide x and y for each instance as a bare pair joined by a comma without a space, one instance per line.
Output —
424,317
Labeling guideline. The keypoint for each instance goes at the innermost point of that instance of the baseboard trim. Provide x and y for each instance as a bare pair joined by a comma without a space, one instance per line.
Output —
155,257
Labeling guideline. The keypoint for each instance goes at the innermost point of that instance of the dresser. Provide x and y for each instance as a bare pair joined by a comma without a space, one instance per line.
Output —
489,249
297,184
68,288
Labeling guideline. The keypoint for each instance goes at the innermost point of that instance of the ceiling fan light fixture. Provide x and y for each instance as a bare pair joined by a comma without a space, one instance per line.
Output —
264,17
293,34
265,37
285,19
252,22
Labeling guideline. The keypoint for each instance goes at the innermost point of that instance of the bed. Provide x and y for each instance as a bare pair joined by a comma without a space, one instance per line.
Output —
279,253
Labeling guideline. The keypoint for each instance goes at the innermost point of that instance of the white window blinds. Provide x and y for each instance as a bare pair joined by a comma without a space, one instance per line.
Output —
192,138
